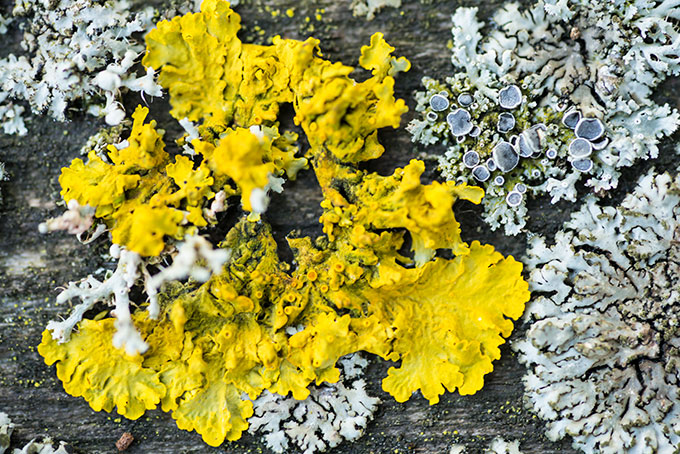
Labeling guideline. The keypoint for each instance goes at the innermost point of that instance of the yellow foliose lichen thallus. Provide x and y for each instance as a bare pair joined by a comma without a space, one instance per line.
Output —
260,325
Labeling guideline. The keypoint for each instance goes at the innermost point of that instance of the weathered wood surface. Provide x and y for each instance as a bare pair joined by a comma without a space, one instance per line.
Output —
33,266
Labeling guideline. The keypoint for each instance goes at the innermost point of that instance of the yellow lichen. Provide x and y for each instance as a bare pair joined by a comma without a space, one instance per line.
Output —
194,61
144,198
260,324
90,362
449,320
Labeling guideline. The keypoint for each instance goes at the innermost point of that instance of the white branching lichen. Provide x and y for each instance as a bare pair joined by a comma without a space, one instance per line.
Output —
369,8
6,429
497,446
501,446
74,50
333,412
91,291
112,135
194,258
564,88
32,447
603,348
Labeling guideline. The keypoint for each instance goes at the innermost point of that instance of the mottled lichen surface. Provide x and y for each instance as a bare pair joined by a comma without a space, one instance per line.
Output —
583,72
332,413
203,352
602,347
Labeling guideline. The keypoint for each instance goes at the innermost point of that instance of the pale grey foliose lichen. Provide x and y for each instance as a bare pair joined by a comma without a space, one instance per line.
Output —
604,348
32,447
497,446
369,8
42,447
549,96
333,412
73,51
6,429
501,446
10,113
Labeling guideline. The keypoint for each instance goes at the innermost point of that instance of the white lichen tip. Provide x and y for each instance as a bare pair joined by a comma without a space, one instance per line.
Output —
116,287
32,447
76,220
369,8
457,449
4,22
218,205
332,413
3,176
501,446
497,446
6,429
259,197
603,346
191,134
195,258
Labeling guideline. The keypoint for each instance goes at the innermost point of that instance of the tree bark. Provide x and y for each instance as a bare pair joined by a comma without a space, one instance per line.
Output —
33,266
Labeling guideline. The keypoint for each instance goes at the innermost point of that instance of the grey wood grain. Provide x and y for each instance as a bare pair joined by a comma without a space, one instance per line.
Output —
33,266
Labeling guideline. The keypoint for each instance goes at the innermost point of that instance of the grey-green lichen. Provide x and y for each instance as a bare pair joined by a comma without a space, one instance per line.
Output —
603,348
112,135
369,8
6,429
583,69
497,446
332,412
